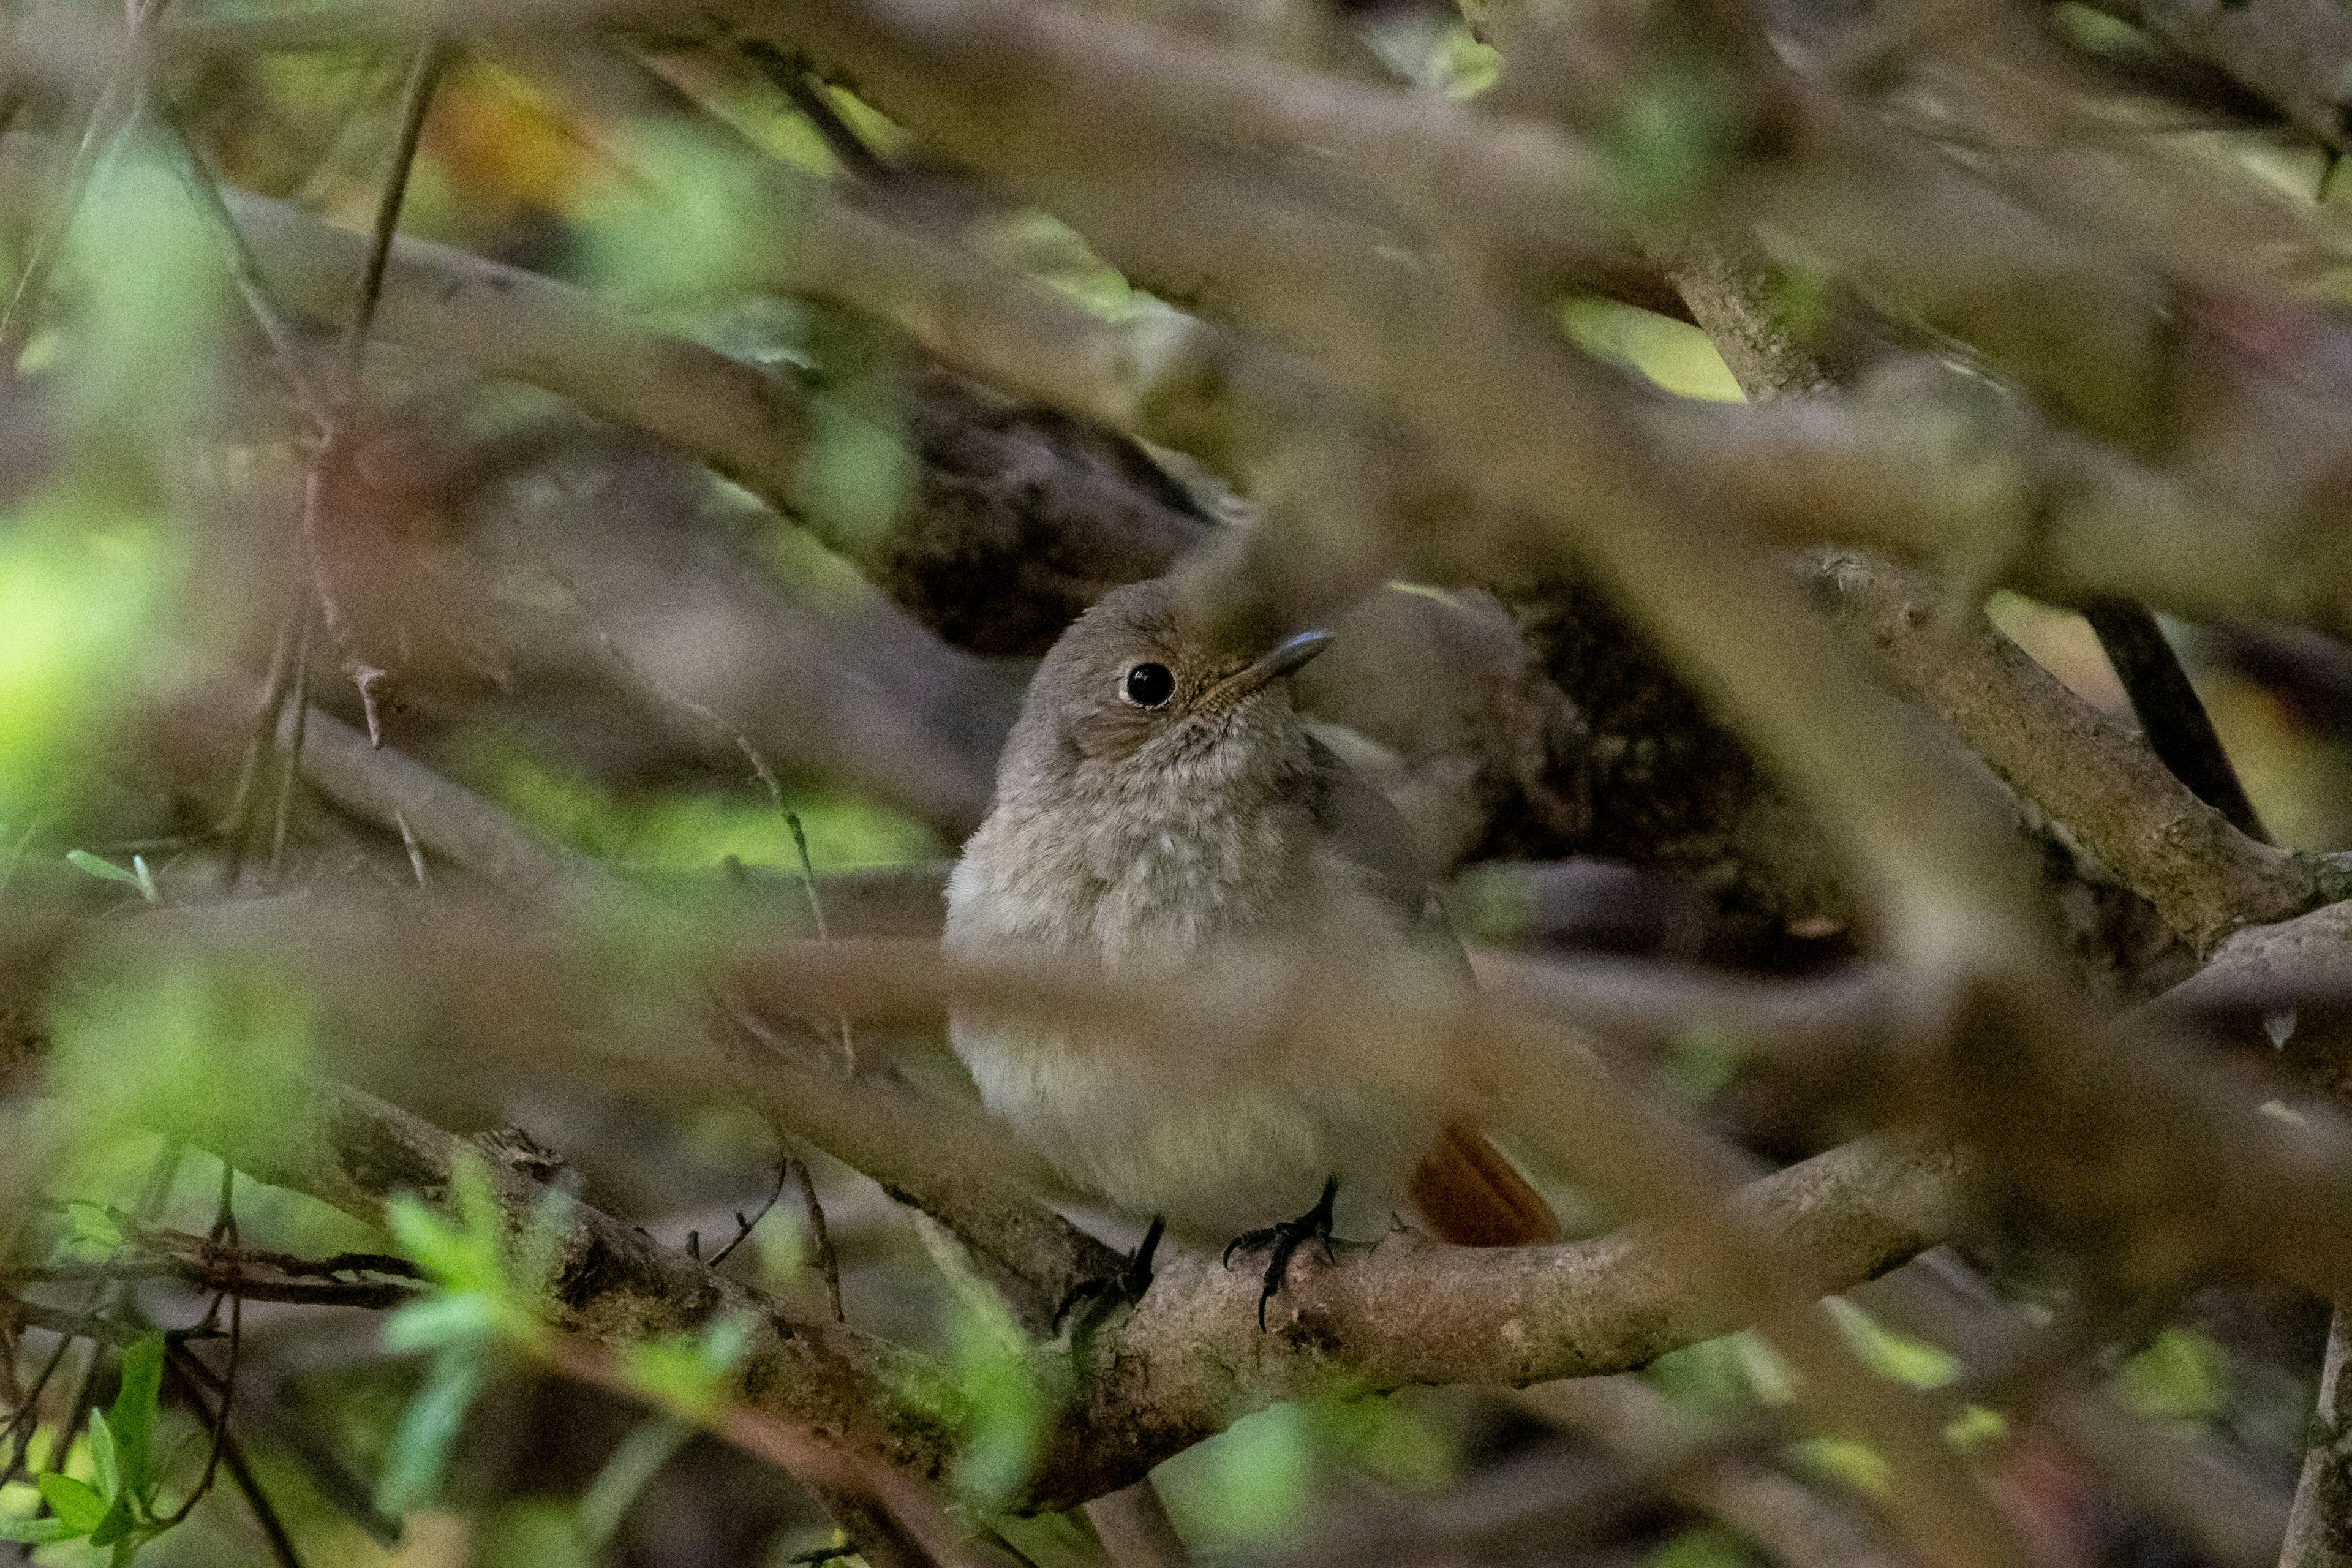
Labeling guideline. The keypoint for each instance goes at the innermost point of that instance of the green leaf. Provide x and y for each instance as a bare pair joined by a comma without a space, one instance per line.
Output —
1856,1463
2179,1377
688,1373
420,1449
440,1322
94,1227
1910,1360
105,1457
133,1416
104,870
38,1531
1703,1547
1674,354
74,1502
153,294
115,1529
80,578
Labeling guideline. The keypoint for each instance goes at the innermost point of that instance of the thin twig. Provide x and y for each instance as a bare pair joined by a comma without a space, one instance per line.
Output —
373,1295
108,1296
333,1479
2179,729
224,1225
791,77
744,1227
416,103
245,271
32,283
183,1369
828,1262
416,850
265,1514
25,1420
808,884
761,769
237,822
290,766
228,1384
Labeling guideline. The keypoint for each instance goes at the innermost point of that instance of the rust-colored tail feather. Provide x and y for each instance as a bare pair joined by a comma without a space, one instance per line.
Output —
1472,1197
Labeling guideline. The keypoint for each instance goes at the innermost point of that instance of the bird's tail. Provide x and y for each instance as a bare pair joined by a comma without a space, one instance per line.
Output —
1472,1197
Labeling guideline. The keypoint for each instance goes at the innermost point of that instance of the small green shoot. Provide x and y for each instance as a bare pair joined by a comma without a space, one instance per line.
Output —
487,1280
105,870
115,1507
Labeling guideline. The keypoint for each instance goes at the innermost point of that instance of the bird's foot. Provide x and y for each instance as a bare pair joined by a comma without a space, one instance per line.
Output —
1092,1298
1281,1241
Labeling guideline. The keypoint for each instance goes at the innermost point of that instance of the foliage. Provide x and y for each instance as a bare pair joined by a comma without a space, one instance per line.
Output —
114,1509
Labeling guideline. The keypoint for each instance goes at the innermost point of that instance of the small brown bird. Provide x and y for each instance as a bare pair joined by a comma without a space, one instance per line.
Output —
1160,802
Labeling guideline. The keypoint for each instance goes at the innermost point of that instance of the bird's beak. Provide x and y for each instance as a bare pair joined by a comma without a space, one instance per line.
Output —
1287,657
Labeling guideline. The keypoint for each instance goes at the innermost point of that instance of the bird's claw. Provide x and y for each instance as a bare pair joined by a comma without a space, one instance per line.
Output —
1124,1289
1284,1240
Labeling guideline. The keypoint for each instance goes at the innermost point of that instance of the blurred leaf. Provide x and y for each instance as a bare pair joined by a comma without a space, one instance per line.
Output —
1856,1464
1249,1485
1005,1407
132,1415
38,1531
688,1373
465,1248
1975,1428
1383,1435
1674,354
1702,1548
696,830
150,298
1711,1373
164,1046
2179,1377
94,1230
1493,903
530,1533
1669,138
440,1321
1768,1374
1443,57
1703,1061
420,1448
79,1507
489,1279
1891,1355
623,1476
858,473
680,218
1045,246
79,581
104,870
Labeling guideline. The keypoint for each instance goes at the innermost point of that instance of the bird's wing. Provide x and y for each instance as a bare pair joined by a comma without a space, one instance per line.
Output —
1468,1193
1371,833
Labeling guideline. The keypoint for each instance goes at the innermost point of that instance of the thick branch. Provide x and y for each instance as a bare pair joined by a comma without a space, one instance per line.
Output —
609,1282
2204,876
2319,1528
1191,1358
2290,53
1410,1310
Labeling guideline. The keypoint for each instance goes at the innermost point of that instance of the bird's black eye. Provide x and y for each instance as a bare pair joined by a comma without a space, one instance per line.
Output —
1148,685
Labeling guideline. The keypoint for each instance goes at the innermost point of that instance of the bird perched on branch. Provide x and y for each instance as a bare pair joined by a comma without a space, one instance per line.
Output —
1160,806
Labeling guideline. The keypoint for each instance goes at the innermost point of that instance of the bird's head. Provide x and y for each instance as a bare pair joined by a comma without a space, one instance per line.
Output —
1142,700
